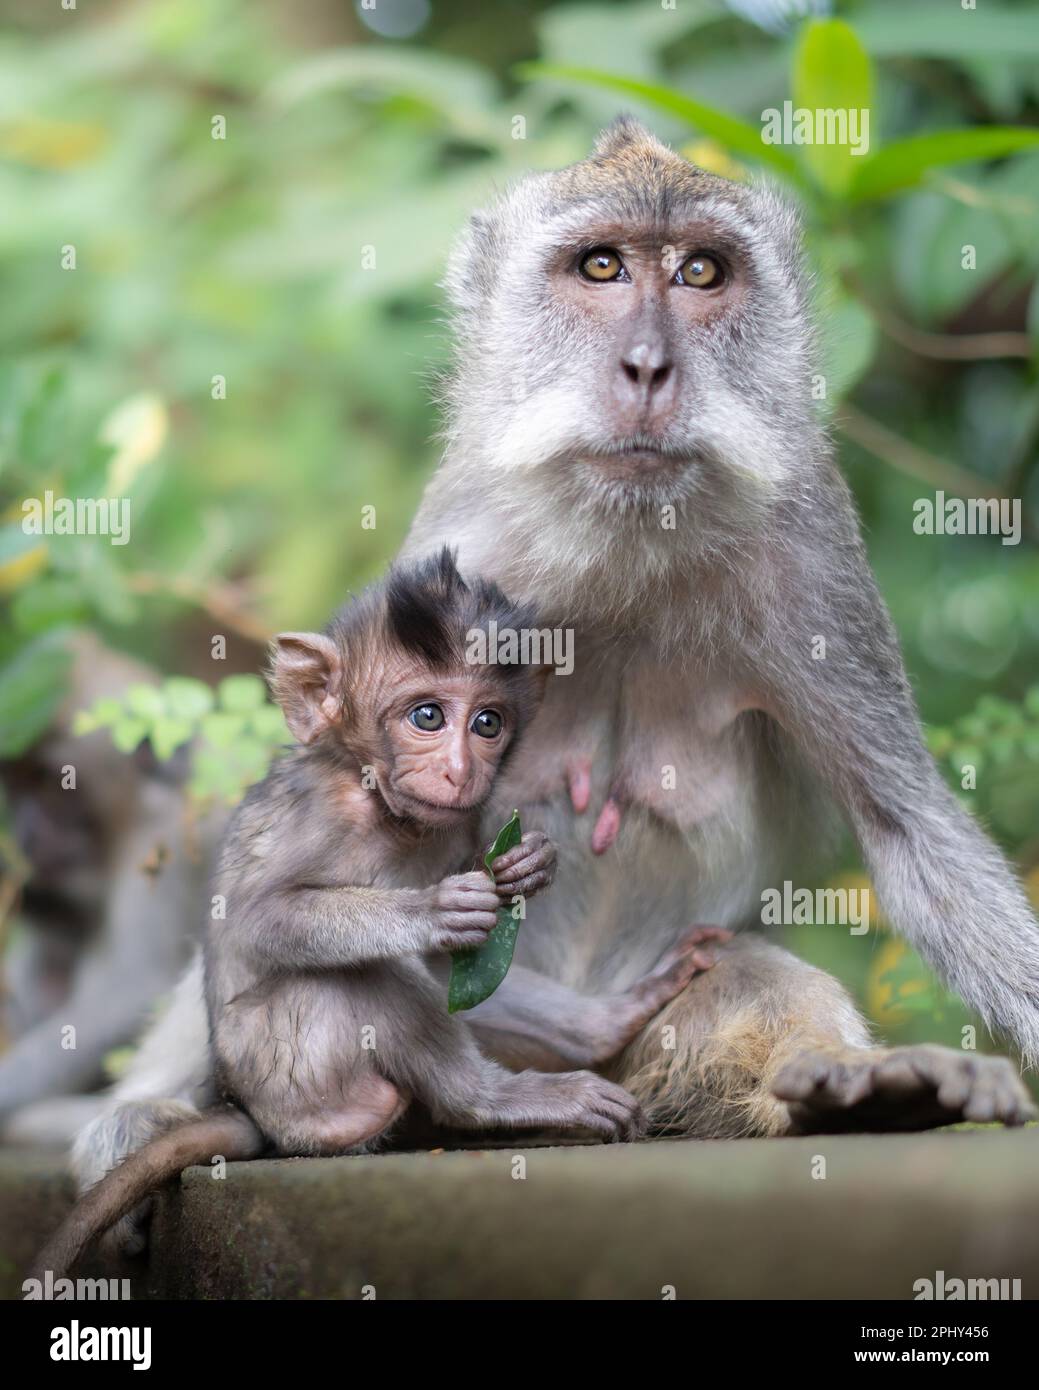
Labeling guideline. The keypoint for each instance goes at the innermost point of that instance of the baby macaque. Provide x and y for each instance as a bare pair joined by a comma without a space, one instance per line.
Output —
344,882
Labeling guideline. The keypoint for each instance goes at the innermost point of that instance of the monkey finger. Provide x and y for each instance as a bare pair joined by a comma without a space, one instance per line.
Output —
801,1078
529,871
469,921
486,900
535,845
525,887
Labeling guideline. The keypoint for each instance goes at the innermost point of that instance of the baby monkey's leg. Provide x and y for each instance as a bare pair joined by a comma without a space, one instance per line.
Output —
532,1021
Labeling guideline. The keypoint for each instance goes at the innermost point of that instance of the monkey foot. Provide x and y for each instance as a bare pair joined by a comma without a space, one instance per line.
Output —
685,959
900,1089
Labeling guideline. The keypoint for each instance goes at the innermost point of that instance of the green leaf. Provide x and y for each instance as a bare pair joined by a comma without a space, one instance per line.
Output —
906,163
239,694
32,685
508,837
104,714
849,337
268,723
45,604
186,698
476,974
221,729
737,136
128,734
168,734
144,701
832,72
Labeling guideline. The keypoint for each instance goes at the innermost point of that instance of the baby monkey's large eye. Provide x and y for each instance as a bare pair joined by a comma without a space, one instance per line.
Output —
427,717
601,264
487,723
700,271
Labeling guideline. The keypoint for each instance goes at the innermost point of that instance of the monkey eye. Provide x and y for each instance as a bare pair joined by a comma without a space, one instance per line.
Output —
487,723
427,717
701,271
601,264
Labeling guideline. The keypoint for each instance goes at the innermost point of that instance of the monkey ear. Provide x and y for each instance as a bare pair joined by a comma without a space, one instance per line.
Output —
307,681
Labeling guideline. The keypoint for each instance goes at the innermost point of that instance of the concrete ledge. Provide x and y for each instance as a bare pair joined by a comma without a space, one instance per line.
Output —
732,1219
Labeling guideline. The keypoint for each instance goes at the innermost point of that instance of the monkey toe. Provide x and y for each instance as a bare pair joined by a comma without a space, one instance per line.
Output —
907,1088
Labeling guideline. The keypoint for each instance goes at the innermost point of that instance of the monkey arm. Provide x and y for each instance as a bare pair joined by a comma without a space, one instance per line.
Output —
311,928
942,882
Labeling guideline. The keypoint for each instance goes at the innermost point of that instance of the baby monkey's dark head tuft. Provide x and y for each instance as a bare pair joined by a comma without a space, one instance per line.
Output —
432,613
424,678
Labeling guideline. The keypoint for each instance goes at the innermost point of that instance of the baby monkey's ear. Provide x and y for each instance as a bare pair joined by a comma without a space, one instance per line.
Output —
307,681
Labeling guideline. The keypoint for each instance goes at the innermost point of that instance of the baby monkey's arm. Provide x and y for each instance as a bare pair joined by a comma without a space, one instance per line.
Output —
314,928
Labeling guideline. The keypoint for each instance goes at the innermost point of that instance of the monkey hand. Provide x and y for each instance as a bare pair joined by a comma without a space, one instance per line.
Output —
526,869
463,909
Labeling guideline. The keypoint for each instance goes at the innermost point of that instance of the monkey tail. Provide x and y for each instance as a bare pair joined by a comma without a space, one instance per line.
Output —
228,1132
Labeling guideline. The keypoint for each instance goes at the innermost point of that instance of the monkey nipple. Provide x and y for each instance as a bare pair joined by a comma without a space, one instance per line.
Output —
607,827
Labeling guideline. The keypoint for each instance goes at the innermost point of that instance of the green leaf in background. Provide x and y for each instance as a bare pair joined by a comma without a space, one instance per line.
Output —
476,974
849,335
240,694
737,136
187,698
32,686
832,72
906,163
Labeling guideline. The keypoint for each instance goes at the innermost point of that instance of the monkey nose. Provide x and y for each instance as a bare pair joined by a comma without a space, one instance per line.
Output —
646,366
456,772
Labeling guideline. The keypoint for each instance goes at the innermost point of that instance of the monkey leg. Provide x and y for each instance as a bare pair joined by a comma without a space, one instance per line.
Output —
765,1044
532,1021
349,1124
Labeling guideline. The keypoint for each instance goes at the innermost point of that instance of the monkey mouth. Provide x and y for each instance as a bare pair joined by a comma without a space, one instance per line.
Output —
416,808
635,460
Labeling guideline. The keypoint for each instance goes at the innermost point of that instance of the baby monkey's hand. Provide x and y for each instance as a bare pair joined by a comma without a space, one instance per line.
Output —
526,869
464,908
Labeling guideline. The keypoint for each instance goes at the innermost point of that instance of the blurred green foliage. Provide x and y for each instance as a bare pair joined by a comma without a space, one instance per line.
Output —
246,343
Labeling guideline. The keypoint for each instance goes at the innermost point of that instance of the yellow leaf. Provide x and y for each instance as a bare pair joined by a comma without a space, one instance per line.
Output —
880,993
22,568
709,155
137,430
51,144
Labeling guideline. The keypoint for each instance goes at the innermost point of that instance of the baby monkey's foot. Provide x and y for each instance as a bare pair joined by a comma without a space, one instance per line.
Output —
526,869
900,1088
629,1012
689,956
584,1100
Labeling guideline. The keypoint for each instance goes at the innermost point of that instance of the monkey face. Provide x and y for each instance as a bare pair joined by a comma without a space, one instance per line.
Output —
442,743
643,321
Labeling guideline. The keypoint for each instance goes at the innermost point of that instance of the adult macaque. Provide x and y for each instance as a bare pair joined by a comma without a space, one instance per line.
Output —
106,916
345,880
632,445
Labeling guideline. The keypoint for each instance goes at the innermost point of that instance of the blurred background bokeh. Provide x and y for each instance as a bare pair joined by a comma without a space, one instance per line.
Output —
222,224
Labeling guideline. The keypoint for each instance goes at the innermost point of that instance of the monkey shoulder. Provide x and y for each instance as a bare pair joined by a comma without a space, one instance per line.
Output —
302,823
